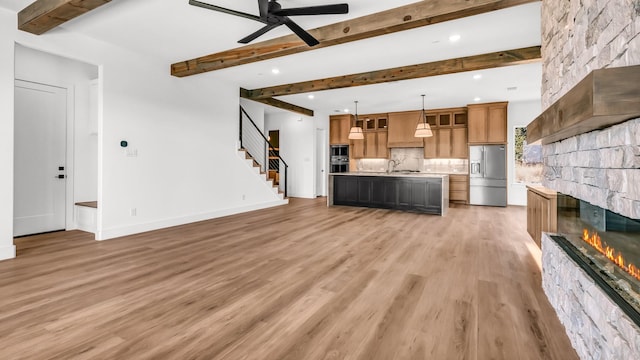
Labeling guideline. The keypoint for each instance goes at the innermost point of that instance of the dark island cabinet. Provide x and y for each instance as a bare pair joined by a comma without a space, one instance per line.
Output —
346,190
423,194
383,192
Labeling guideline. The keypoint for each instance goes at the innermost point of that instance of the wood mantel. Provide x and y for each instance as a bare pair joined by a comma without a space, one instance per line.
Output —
603,98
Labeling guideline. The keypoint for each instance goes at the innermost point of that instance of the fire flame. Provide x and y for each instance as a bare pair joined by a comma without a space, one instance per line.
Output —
611,253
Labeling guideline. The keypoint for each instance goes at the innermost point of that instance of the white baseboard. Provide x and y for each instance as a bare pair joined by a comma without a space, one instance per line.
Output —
7,252
116,232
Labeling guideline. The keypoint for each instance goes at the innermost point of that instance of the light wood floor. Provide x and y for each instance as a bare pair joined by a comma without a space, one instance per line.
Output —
298,282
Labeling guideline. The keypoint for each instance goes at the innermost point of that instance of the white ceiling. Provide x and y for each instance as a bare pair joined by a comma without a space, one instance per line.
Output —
172,30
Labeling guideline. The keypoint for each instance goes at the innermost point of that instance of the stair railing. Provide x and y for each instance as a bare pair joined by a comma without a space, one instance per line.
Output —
253,141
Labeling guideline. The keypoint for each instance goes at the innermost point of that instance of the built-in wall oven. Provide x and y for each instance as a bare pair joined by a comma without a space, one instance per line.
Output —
339,158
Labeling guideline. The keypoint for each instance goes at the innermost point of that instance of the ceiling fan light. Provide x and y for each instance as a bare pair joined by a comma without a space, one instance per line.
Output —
356,133
423,130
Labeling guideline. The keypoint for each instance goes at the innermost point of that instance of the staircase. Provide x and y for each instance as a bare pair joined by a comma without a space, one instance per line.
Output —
254,150
250,161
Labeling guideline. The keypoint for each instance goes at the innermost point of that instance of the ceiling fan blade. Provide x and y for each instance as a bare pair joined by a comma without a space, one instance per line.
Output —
314,10
224,10
258,33
302,34
263,5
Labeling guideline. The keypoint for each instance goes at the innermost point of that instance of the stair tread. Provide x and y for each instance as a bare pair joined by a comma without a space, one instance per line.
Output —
269,181
90,204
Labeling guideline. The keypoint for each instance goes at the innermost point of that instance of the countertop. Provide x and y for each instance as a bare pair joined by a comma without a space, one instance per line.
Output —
543,191
393,174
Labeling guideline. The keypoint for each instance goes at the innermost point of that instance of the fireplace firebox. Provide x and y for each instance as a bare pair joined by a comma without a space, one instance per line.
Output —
606,245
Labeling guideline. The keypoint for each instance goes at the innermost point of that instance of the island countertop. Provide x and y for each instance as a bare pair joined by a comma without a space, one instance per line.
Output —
393,174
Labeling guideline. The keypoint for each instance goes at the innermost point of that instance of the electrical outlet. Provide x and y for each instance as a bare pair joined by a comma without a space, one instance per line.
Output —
133,212
243,196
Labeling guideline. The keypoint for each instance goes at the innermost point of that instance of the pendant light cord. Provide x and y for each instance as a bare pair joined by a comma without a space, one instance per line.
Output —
356,111
424,119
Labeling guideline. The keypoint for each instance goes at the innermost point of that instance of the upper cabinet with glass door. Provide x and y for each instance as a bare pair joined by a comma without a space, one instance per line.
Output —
453,117
374,122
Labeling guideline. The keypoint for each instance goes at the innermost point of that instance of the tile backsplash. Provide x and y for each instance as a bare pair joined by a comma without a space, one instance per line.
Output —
413,159
446,166
407,158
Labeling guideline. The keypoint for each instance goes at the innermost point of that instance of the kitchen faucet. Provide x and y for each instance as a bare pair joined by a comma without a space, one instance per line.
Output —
391,165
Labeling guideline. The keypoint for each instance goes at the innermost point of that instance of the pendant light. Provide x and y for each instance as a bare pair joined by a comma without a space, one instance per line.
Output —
356,132
423,129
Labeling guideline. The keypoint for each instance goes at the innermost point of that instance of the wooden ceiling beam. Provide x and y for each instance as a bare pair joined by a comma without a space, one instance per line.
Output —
443,67
406,17
278,103
44,15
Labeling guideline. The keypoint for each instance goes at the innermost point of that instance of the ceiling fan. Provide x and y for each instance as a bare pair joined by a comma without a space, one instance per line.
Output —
273,15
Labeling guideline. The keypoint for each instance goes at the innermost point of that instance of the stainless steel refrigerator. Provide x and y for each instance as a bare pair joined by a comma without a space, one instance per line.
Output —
488,175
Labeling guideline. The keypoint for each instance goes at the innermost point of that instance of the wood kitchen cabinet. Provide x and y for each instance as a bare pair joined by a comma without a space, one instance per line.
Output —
374,145
339,126
542,213
370,144
402,126
357,148
381,145
459,188
459,143
449,140
487,123
374,122
443,138
431,145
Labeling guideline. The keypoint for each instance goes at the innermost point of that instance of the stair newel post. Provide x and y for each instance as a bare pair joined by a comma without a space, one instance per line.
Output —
240,132
286,179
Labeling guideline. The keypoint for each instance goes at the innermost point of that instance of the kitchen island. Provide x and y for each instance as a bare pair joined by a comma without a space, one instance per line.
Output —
411,191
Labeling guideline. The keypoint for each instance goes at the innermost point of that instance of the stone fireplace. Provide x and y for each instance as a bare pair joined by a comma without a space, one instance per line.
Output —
591,149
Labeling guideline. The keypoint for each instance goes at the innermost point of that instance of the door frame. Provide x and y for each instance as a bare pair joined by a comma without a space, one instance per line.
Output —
70,141
322,154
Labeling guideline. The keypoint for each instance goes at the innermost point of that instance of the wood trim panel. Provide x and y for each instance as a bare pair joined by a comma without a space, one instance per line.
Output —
603,98
542,215
44,15
443,67
406,17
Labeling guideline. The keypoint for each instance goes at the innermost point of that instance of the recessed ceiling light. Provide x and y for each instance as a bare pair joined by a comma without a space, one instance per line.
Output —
454,38
275,71
476,99
346,110
311,96
512,88
477,76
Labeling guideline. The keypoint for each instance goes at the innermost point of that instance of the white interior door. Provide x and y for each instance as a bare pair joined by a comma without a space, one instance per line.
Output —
39,160
321,161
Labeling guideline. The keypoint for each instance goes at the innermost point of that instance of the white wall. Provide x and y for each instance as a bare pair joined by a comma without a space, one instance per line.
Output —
520,114
184,131
7,26
298,148
255,111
